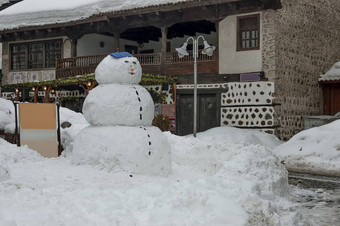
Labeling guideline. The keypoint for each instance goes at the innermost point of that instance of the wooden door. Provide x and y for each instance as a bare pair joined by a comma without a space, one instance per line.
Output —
335,92
208,111
185,114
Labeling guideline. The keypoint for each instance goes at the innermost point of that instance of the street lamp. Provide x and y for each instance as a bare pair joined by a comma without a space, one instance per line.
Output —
182,51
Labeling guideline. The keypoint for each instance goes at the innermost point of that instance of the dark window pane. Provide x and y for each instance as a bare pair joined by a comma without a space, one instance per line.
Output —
53,51
18,56
248,36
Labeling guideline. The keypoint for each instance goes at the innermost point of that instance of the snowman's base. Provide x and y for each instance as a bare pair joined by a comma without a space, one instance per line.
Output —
143,150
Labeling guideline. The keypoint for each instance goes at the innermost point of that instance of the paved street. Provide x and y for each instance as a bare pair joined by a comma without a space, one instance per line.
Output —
318,197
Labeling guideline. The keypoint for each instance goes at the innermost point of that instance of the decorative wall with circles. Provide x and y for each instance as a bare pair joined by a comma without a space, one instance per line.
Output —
248,104
248,93
261,116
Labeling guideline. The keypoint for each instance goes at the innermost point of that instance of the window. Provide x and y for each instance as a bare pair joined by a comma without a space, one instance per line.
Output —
53,51
35,55
248,34
18,56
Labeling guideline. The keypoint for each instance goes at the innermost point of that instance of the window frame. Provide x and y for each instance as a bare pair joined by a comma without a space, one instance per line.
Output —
27,53
240,30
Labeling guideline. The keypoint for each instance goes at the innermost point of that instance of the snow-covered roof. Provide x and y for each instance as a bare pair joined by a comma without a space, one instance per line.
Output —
3,2
43,12
333,74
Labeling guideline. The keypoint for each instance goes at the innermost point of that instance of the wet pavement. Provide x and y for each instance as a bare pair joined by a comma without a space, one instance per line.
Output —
316,197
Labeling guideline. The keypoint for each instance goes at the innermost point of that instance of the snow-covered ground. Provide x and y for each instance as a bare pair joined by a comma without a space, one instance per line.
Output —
225,176
213,182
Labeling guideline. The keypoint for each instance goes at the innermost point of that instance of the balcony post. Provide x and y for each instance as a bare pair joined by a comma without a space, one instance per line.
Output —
116,42
164,31
73,47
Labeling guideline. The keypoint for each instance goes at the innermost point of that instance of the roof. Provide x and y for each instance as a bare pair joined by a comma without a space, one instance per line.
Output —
332,75
42,12
3,2
7,3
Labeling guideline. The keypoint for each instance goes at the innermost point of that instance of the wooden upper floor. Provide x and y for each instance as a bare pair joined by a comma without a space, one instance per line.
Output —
151,63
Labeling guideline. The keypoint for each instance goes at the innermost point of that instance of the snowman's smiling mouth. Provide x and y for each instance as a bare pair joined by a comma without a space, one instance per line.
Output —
131,73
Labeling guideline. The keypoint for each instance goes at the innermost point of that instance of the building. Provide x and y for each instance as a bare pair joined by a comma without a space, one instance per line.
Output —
264,72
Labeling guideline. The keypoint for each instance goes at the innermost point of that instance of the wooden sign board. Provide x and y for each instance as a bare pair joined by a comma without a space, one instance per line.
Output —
38,128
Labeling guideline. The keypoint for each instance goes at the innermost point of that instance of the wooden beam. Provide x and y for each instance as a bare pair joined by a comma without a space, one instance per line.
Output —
164,31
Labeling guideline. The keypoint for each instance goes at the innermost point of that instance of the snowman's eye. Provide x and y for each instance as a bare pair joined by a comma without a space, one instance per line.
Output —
126,61
134,62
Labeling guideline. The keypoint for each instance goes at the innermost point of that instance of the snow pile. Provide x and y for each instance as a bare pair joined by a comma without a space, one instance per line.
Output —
212,183
78,122
7,113
240,136
332,74
316,149
42,12
11,154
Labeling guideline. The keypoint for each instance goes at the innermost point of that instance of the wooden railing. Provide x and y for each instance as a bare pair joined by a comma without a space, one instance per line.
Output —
69,67
173,58
149,58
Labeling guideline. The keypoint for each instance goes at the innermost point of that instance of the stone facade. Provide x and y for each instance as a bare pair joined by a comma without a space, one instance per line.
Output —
20,76
304,46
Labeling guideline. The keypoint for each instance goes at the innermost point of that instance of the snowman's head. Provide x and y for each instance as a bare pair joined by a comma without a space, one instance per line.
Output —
119,67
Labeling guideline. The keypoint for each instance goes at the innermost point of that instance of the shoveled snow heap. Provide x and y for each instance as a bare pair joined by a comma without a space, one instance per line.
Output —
7,113
316,149
42,12
213,182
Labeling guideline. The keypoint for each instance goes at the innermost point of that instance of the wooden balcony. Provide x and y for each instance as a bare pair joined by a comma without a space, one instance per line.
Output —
151,62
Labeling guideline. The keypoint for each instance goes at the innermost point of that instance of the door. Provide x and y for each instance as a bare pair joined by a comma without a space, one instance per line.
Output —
208,112
185,114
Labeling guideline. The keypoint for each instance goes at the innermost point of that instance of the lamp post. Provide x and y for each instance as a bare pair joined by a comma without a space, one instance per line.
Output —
182,51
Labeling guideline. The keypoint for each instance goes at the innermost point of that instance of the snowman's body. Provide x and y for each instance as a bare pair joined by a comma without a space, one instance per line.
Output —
121,111
120,104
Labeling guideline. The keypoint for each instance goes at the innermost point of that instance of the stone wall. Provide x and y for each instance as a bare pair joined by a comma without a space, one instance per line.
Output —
5,62
13,77
306,45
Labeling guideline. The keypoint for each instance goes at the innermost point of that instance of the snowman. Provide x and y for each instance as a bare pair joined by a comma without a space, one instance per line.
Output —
120,113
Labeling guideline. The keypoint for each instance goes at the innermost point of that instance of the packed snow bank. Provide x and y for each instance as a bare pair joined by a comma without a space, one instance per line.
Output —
7,113
78,122
239,136
315,150
11,154
212,183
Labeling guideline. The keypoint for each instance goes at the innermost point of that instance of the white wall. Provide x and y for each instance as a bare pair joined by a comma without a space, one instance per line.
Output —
89,45
230,60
